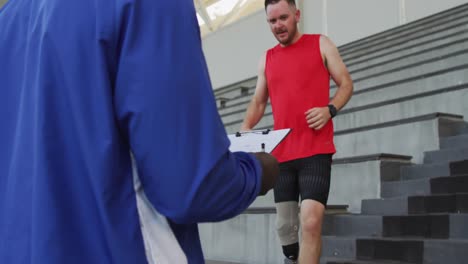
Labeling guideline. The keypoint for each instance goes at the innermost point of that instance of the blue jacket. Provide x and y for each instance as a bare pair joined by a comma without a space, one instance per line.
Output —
83,84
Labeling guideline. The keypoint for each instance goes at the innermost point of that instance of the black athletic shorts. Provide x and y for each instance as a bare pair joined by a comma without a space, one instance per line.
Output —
308,177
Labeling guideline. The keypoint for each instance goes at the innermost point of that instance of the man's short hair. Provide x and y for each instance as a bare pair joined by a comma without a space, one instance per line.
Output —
271,2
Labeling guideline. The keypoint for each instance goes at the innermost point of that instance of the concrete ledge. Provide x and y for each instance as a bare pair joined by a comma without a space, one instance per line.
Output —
361,178
391,109
413,85
410,136
405,107
380,156
445,41
407,69
399,122
396,42
379,67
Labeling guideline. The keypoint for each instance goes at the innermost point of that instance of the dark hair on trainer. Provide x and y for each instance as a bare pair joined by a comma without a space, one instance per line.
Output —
271,2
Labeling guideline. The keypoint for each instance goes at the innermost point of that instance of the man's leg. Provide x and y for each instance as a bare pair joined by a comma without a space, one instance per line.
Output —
286,193
287,226
314,185
311,224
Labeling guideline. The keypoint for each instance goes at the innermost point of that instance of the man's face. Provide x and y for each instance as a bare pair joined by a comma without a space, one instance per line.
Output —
283,20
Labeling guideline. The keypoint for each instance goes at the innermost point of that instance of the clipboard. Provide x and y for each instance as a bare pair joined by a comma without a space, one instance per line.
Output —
264,140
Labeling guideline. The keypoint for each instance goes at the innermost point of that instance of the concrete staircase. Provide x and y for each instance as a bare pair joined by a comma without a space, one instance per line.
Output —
420,219
397,169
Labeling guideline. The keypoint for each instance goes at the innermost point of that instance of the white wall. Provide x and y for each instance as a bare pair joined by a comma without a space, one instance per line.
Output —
232,53
416,9
345,21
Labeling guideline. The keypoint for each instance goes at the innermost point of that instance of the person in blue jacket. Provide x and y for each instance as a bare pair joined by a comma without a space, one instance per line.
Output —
94,92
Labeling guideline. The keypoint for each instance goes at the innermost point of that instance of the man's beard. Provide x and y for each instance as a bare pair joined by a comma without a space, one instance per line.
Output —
288,40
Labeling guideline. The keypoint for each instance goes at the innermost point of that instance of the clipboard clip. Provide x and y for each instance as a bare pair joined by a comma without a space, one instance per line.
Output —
263,132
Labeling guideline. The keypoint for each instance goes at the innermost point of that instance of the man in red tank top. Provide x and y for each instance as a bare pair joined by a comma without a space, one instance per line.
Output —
295,76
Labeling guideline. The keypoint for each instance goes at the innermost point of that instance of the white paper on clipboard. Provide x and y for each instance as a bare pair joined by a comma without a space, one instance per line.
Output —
257,140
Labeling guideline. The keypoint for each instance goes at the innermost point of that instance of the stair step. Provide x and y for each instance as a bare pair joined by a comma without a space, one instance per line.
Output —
338,247
438,203
423,225
459,167
446,251
386,206
405,188
415,251
432,170
421,171
455,154
452,184
464,130
405,250
454,142
441,226
439,185
352,225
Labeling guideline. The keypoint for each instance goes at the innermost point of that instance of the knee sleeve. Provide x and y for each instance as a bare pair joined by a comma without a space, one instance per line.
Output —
287,222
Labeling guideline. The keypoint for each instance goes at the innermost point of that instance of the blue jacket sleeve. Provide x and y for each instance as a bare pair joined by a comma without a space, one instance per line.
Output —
166,110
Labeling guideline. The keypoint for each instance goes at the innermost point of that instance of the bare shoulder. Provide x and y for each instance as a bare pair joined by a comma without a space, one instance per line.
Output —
326,44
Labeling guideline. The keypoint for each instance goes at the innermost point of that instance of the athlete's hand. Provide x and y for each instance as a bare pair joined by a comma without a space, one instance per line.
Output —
317,117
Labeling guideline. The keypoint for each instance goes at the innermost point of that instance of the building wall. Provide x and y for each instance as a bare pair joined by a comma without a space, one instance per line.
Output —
232,53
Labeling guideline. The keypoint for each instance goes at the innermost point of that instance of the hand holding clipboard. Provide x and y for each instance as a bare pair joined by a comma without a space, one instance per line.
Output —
261,143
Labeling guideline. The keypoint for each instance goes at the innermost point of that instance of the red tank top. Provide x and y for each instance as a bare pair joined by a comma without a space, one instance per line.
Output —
297,81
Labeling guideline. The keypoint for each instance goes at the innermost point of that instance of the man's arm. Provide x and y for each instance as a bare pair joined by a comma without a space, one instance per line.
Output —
338,72
317,117
257,105
166,110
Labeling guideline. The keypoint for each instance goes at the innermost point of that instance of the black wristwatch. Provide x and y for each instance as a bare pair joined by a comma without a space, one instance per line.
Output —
332,110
